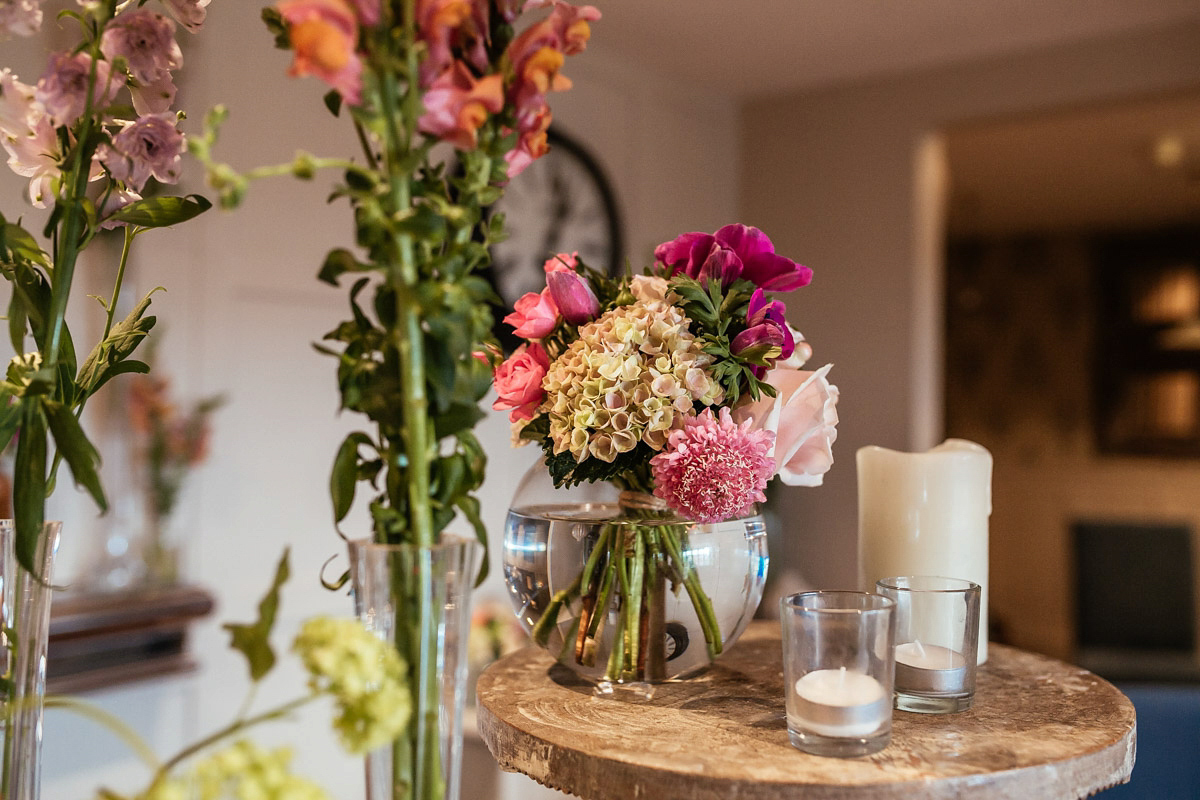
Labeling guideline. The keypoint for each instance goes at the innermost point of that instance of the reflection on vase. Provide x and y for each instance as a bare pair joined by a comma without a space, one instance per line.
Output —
25,616
419,598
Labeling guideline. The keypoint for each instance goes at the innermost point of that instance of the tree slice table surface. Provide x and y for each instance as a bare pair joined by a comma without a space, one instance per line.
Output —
1039,728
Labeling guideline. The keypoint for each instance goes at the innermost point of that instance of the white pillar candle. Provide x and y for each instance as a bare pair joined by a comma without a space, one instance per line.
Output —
926,514
929,668
840,703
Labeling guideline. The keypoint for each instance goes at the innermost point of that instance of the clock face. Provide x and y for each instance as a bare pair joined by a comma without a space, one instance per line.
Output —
561,203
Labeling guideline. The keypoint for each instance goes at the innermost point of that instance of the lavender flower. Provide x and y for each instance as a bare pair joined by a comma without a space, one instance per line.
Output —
153,98
19,18
63,89
150,146
16,105
147,42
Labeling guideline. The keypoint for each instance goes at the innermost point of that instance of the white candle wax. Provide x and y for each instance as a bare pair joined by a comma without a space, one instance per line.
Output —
930,668
926,514
928,656
840,703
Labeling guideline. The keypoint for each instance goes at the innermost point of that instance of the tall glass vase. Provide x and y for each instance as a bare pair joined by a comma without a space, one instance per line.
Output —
419,599
25,616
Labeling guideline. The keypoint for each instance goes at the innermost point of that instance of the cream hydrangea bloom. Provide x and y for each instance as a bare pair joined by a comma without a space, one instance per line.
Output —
625,380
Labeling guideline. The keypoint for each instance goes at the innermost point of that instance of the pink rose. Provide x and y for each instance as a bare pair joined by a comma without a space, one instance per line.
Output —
518,382
803,417
563,262
534,315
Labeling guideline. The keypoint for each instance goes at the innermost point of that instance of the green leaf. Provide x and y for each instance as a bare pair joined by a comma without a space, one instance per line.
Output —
126,335
344,476
278,28
159,212
76,450
469,506
10,418
333,100
22,246
253,640
337,263
29,495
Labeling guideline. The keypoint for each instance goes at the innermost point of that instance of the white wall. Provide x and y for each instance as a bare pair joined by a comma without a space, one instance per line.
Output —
833,175
241,311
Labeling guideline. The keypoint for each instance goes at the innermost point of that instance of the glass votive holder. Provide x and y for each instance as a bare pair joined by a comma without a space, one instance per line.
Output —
837,671
937,636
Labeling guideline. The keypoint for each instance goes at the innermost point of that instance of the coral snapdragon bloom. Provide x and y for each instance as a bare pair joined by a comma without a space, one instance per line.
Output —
457,104
323,34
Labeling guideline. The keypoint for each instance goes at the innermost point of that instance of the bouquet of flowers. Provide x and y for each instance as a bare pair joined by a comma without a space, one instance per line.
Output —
683,387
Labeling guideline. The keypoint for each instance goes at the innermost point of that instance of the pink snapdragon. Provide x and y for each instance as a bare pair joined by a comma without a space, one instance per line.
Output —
63,88
457,103
803,416
146,40
323,35
532,143
534,315
712,468
188,13
705,255
518,382
151,146
19,18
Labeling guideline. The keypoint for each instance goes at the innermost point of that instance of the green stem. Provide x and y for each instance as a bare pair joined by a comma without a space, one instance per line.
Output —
700,601
637,573
130,232
549,619
114,723
231,729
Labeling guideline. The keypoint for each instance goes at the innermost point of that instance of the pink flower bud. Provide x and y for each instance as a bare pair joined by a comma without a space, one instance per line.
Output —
574,297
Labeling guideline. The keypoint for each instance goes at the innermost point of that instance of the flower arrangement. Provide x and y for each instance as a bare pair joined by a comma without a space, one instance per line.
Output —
683,387
170,442
90,135
93,133
417,79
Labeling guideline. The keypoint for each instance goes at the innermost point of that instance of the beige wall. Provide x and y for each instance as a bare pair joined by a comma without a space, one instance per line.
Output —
832,175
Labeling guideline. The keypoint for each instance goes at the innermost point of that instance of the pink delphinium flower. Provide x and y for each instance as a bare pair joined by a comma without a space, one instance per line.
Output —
188,13
803,416
534,315
150,146
16,105
63,89
518,382
154,98
457,103
323,34
713,469
19,18
147,42
693,254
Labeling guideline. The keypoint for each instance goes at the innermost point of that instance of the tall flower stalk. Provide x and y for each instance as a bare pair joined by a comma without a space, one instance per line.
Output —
412,75
93,132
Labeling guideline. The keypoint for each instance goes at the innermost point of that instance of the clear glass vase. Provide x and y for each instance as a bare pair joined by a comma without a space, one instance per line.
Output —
419,599
622,590
25,617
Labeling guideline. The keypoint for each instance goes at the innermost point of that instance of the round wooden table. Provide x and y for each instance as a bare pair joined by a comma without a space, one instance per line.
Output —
1039,729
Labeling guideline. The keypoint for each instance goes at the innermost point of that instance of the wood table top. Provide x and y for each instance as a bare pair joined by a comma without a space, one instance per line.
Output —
1039,728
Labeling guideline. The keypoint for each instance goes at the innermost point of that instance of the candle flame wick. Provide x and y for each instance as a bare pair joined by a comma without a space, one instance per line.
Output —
920,648
841,677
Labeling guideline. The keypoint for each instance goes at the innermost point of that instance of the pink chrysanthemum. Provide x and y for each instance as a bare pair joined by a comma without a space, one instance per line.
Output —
713,469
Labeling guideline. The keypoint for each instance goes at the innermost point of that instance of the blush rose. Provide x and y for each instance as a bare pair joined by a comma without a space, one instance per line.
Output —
803,417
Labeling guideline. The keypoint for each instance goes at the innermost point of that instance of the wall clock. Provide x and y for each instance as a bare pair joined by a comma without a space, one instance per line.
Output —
563,202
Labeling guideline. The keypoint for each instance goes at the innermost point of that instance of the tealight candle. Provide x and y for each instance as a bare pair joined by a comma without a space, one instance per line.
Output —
840,703
838,652
929,668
